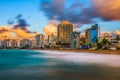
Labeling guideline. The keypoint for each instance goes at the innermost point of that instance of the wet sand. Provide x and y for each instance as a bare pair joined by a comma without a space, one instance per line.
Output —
62,71
38,65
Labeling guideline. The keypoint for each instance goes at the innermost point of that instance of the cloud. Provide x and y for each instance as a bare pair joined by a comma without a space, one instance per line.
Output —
107,10
19,30
4,29
21,23
5,32
105,34
77,13
82,35
117,32
50,29
8,31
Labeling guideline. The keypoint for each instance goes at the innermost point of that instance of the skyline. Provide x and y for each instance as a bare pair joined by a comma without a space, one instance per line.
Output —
43,15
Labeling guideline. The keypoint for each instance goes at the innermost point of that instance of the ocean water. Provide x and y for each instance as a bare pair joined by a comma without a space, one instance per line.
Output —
37,65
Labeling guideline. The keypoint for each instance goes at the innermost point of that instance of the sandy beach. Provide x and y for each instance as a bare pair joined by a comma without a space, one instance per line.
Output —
96,51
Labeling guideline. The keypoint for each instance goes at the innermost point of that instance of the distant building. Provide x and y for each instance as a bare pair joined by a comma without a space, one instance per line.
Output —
9,43
1,44
13,43
75,40
33,43
39,40
107,36
92,34
46,41
63,33
6,43
52,39
25,43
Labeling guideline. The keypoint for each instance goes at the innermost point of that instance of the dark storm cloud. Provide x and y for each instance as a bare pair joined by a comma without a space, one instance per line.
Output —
10,22
21,23
77,13
18,16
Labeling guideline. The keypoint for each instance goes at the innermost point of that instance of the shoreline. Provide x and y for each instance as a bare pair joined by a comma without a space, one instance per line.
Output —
97,51
117,52
82,58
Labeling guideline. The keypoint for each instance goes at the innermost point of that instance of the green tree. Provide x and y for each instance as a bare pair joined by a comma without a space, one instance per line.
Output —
118,37
105,41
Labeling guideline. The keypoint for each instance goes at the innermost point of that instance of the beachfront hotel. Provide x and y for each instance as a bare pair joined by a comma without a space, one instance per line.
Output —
63,33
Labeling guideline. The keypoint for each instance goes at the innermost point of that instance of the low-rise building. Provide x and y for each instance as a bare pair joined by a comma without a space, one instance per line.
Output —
63,33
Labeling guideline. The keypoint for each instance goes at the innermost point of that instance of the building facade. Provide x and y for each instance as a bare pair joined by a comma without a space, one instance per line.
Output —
1,44
25,43
50,38
75,40
63,32
39,40
9,43
92,34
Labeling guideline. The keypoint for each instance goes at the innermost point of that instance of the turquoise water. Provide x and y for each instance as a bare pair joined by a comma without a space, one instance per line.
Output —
19,58
22,65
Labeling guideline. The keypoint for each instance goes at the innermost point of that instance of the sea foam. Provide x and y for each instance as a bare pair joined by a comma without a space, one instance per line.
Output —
82,57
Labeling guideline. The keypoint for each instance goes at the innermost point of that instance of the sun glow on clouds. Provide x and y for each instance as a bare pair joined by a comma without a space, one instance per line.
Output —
107,9
117,32
8,32
51,28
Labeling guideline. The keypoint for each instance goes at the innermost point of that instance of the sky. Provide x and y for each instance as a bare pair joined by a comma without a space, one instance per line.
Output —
29,10
43,15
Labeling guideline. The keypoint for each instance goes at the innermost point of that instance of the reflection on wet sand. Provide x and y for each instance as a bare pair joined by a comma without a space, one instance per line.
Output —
61,71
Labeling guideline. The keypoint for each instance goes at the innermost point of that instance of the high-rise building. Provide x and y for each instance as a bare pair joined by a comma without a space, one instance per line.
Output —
63,33
92,34
39,40
75,40
25,43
